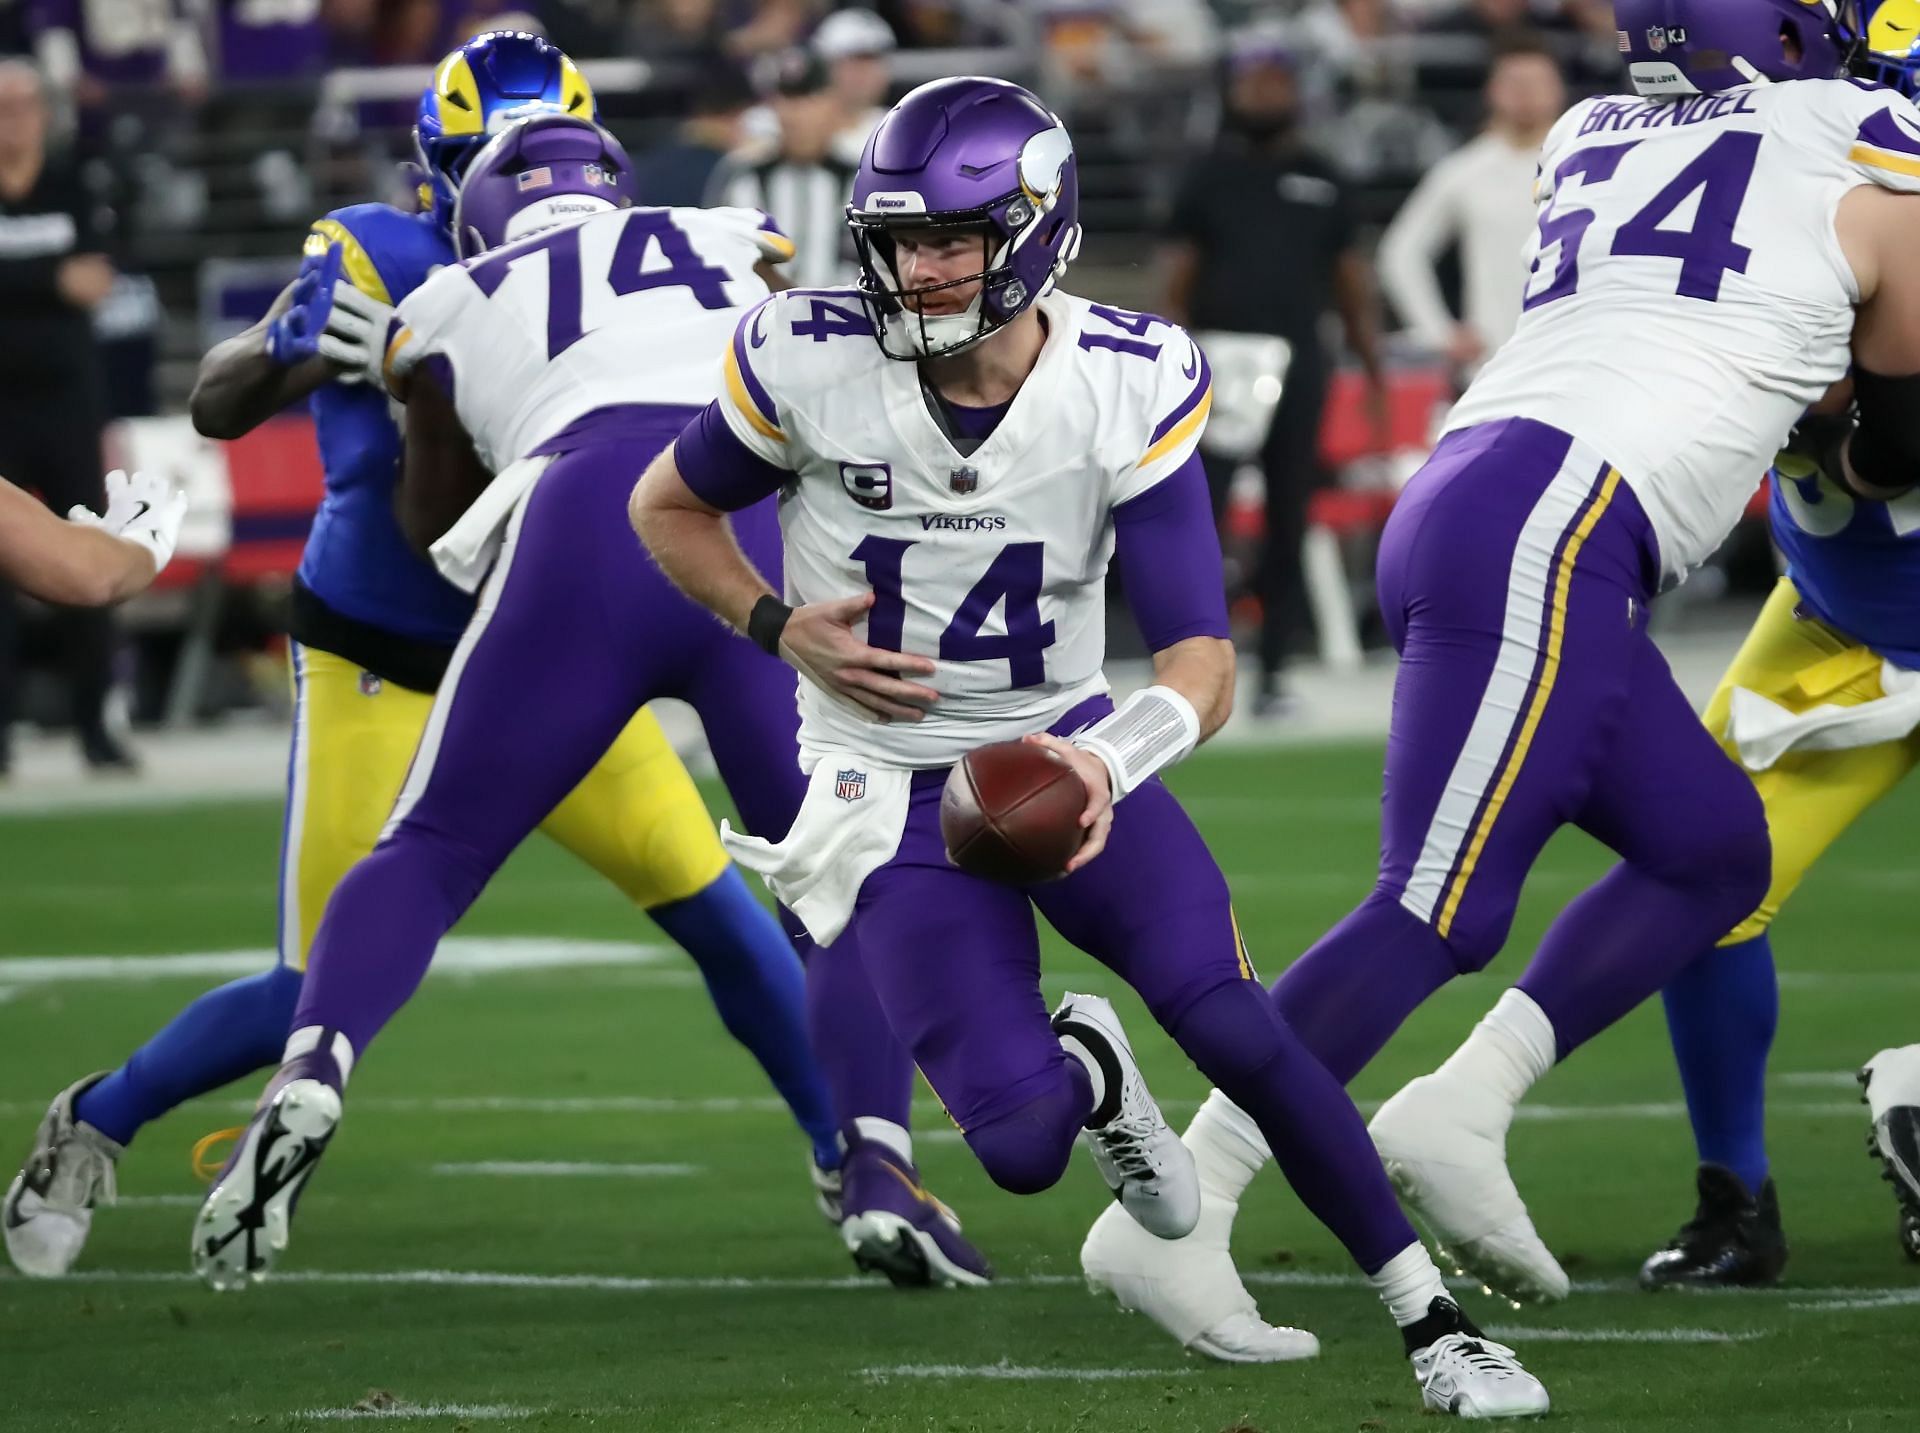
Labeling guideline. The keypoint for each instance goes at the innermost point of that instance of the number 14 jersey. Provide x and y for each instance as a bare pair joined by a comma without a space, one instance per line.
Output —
992,562
1688,298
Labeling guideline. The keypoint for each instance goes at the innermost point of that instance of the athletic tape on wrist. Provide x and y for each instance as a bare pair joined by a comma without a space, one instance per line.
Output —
1151,730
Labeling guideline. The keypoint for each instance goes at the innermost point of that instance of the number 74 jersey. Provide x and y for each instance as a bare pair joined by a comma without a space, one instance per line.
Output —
992,562
1687,298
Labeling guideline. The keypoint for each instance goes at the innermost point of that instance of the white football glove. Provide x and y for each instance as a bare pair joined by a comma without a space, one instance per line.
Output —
141,507
356,334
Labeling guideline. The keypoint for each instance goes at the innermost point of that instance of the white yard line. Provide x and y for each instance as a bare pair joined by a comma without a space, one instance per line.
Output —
458,955
521,1168
1524,1333
1831,1299
466,1412
1017,1372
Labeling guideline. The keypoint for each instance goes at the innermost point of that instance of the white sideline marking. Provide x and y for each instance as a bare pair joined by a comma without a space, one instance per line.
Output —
410,1410
770,1104
1522,1333
1850,1300
1819,1299
1005,1370
1819,1080
458,955
511,1167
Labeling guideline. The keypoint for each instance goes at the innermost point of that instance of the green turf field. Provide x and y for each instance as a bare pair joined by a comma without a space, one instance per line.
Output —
714,1298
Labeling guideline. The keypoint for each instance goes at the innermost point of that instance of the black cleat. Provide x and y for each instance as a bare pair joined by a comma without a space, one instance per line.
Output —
1733,1240
105,756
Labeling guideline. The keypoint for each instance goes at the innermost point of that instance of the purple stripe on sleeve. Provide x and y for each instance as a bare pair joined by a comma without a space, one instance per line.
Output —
743,339
1169,555
722,471
1187,404
1883,130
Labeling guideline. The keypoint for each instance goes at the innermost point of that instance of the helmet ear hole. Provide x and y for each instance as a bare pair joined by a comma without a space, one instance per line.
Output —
1790,47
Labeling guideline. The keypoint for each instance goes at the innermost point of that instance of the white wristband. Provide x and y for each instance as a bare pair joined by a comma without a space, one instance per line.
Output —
1152,729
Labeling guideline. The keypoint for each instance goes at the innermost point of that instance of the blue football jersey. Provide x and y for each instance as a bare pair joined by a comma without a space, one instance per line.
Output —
1855,563
357,560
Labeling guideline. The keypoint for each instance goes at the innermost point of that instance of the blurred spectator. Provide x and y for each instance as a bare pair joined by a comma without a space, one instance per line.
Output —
53,273
857,46
1262,236
681,170
799,179
1479,198
254,43
88,51
668,30
771,27
476,17
409,32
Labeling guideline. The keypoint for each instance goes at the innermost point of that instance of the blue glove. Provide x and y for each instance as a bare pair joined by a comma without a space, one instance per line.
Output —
294,337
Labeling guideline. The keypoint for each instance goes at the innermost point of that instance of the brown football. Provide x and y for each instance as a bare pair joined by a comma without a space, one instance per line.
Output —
1011,812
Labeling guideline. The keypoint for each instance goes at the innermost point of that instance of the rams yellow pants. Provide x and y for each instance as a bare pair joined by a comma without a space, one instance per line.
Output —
1811,797
636,817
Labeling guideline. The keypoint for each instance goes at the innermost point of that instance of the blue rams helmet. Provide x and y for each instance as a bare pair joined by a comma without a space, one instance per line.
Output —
1892,55
480,89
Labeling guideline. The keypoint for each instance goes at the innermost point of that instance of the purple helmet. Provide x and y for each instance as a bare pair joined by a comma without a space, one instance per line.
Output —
977,155
551,169
1685,47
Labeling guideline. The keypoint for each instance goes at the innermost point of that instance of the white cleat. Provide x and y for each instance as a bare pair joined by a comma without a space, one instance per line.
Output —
242,1227
1471,1376
1444,1144
48,1210
1189,1287
1143,1161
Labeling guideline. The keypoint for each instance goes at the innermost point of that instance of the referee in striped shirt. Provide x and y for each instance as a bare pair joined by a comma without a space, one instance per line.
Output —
798,178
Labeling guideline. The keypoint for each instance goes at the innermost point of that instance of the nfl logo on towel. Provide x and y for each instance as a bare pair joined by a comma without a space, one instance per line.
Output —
964,480
850,785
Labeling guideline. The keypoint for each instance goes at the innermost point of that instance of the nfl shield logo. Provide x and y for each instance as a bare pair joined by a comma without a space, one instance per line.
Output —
370,685
850,785
964,480
1656,38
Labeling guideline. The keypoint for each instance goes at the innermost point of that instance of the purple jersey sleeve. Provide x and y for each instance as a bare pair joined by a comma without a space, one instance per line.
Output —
1169,553
720,469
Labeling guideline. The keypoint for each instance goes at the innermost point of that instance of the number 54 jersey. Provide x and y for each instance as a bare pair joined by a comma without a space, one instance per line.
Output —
992,562
1688,298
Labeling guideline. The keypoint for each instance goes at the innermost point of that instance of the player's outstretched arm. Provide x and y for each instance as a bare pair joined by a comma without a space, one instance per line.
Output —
242,382
88,560
691,541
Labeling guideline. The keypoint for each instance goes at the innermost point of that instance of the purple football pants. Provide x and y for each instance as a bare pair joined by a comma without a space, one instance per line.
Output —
1514,576
575,631
955,961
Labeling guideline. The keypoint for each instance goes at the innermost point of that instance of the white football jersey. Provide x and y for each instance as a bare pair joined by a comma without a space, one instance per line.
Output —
1688,297
620,308
993,564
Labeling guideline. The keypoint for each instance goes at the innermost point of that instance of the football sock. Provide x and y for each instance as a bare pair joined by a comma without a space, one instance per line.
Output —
1508,1051
1721,1013
1317,1137
1347,995
757,985
228,1032
1408,1283
1227,1148
1630,934
869,1073
885,1133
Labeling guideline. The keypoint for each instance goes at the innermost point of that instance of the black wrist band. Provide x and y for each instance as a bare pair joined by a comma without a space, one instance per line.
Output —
766,622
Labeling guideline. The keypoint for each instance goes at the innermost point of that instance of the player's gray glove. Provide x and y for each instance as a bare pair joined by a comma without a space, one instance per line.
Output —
355,337
141,507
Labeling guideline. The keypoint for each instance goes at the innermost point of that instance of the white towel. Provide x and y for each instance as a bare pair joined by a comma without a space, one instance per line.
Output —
1763,731
849,825
465,552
